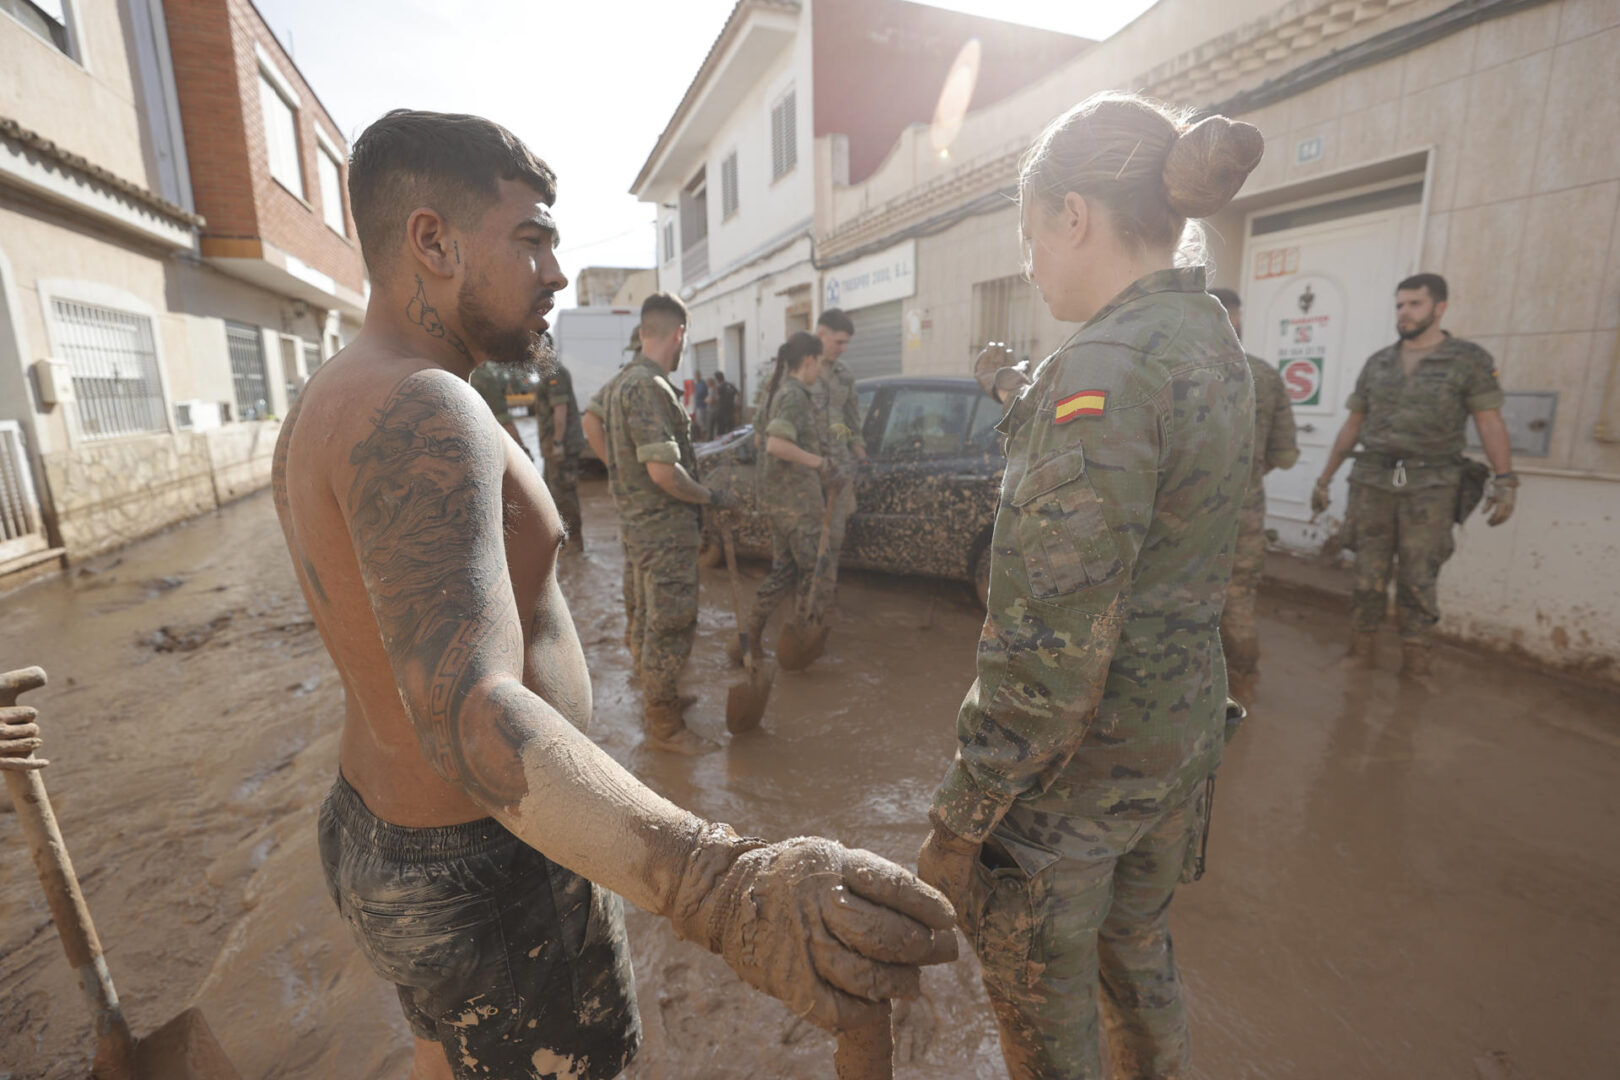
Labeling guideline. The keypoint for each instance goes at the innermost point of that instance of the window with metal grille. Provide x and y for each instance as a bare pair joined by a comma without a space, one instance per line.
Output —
784,135
113,359
246,346
728,185
1004,311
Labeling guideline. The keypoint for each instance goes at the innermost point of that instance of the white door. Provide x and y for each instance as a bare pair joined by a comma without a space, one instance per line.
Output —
1318,300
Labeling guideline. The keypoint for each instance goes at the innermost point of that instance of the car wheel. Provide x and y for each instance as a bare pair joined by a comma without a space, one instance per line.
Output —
981,576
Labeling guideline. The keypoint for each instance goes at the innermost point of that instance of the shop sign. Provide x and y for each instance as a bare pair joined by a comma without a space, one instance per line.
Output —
889,275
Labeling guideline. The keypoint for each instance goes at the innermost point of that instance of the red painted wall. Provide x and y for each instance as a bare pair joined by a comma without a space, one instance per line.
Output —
879,66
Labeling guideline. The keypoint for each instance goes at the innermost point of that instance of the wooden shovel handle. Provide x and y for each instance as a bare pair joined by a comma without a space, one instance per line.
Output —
115,1047
730,545
866,1053
821,557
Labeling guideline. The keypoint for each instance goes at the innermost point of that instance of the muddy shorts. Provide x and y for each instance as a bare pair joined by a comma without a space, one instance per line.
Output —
519,967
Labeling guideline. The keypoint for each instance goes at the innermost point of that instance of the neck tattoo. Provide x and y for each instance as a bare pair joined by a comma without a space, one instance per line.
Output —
425,315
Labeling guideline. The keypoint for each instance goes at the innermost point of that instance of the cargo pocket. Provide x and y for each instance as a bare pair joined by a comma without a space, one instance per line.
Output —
1062,533
1006,909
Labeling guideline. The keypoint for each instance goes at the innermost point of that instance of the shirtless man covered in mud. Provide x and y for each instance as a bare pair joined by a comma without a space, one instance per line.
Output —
475,838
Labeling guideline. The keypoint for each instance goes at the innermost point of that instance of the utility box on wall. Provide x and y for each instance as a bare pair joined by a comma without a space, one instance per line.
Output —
54,378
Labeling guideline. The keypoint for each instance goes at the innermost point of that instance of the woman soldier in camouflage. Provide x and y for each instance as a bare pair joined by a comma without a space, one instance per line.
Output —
1079,789
790,481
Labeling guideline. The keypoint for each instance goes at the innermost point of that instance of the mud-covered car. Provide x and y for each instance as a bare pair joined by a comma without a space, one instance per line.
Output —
925,500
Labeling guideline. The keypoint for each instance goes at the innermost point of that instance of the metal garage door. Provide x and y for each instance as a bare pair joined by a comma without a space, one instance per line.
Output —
876,347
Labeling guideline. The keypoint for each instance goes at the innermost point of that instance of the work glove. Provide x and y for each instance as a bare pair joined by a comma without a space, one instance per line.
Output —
994,369
1499,500
945,861
1319,496
829,931
832,476
721,499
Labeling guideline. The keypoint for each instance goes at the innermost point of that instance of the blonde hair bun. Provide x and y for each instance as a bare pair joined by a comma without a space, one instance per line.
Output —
1208,163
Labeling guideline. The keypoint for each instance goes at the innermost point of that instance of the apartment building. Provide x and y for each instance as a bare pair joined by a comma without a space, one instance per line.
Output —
175,258
735,172
1469,138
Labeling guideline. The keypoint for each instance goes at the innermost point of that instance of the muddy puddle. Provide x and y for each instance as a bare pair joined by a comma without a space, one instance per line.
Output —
1399,884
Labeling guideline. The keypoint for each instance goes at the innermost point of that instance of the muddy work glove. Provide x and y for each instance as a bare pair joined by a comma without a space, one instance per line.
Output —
1319,496
1499,500
946,862
833,477
721,499
828,930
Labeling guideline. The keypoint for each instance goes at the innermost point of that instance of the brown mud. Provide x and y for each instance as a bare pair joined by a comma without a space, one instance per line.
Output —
1400,883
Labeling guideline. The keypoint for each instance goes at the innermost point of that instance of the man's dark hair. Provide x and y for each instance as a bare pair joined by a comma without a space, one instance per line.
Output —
835,320
448,161
1433,282
661,313
1228,297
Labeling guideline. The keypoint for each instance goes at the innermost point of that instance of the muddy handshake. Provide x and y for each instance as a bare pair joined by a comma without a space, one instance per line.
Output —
832,932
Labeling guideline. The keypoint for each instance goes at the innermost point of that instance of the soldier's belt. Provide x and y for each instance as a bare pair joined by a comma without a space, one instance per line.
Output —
1397,463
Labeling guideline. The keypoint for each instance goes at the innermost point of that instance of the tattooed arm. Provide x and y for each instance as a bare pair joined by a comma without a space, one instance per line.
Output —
424,514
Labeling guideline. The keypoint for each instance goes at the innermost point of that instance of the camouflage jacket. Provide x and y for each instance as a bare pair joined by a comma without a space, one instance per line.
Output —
837,405
488,380
1422,420
557,388
1276,442
1101,686
786,486
646,423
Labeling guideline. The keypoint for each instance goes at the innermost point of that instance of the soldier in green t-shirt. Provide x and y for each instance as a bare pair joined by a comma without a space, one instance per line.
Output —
1410,413
792,471
1276,446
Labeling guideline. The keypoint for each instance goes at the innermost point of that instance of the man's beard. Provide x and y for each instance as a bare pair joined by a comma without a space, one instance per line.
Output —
514,347
1414,331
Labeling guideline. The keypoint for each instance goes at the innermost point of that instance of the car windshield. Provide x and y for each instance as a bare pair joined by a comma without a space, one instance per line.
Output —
984,438
926,423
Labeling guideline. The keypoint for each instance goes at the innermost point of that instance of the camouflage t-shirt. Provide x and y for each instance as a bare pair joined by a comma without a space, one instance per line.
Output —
786,485
646,423
1276,442
1101,686
1422,419
837,405
557,388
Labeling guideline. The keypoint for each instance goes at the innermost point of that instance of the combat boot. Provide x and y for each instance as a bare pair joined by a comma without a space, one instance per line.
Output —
1363,649
1243,686
1416,660
666,730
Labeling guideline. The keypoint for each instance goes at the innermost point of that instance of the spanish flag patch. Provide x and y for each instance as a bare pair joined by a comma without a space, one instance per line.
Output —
1085,403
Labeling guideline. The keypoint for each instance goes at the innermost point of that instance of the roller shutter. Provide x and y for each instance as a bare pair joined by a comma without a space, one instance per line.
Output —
876,347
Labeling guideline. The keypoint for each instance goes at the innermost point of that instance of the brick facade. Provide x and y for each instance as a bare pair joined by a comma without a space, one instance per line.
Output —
216,71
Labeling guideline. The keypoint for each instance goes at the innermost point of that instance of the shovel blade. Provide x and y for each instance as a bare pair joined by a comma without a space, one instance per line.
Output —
184,1049
745,704
799,645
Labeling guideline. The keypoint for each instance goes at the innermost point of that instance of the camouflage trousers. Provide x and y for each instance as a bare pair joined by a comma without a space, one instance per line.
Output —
1240,640
562,480
843,507
794,540
663,620
1076,938
1406,535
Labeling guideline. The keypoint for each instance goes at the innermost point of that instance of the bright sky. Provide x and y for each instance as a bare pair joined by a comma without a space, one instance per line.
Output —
589,86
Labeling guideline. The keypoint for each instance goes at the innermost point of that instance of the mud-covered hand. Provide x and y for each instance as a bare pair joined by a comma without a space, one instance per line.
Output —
946,861
828,930
993,358
1499,500
1319,496
833,477
721,499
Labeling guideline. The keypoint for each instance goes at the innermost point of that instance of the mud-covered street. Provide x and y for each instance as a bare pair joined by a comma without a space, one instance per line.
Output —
1399,884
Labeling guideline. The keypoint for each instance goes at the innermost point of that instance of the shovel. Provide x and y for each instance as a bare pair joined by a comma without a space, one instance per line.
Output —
745,704
802,642
182,1049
